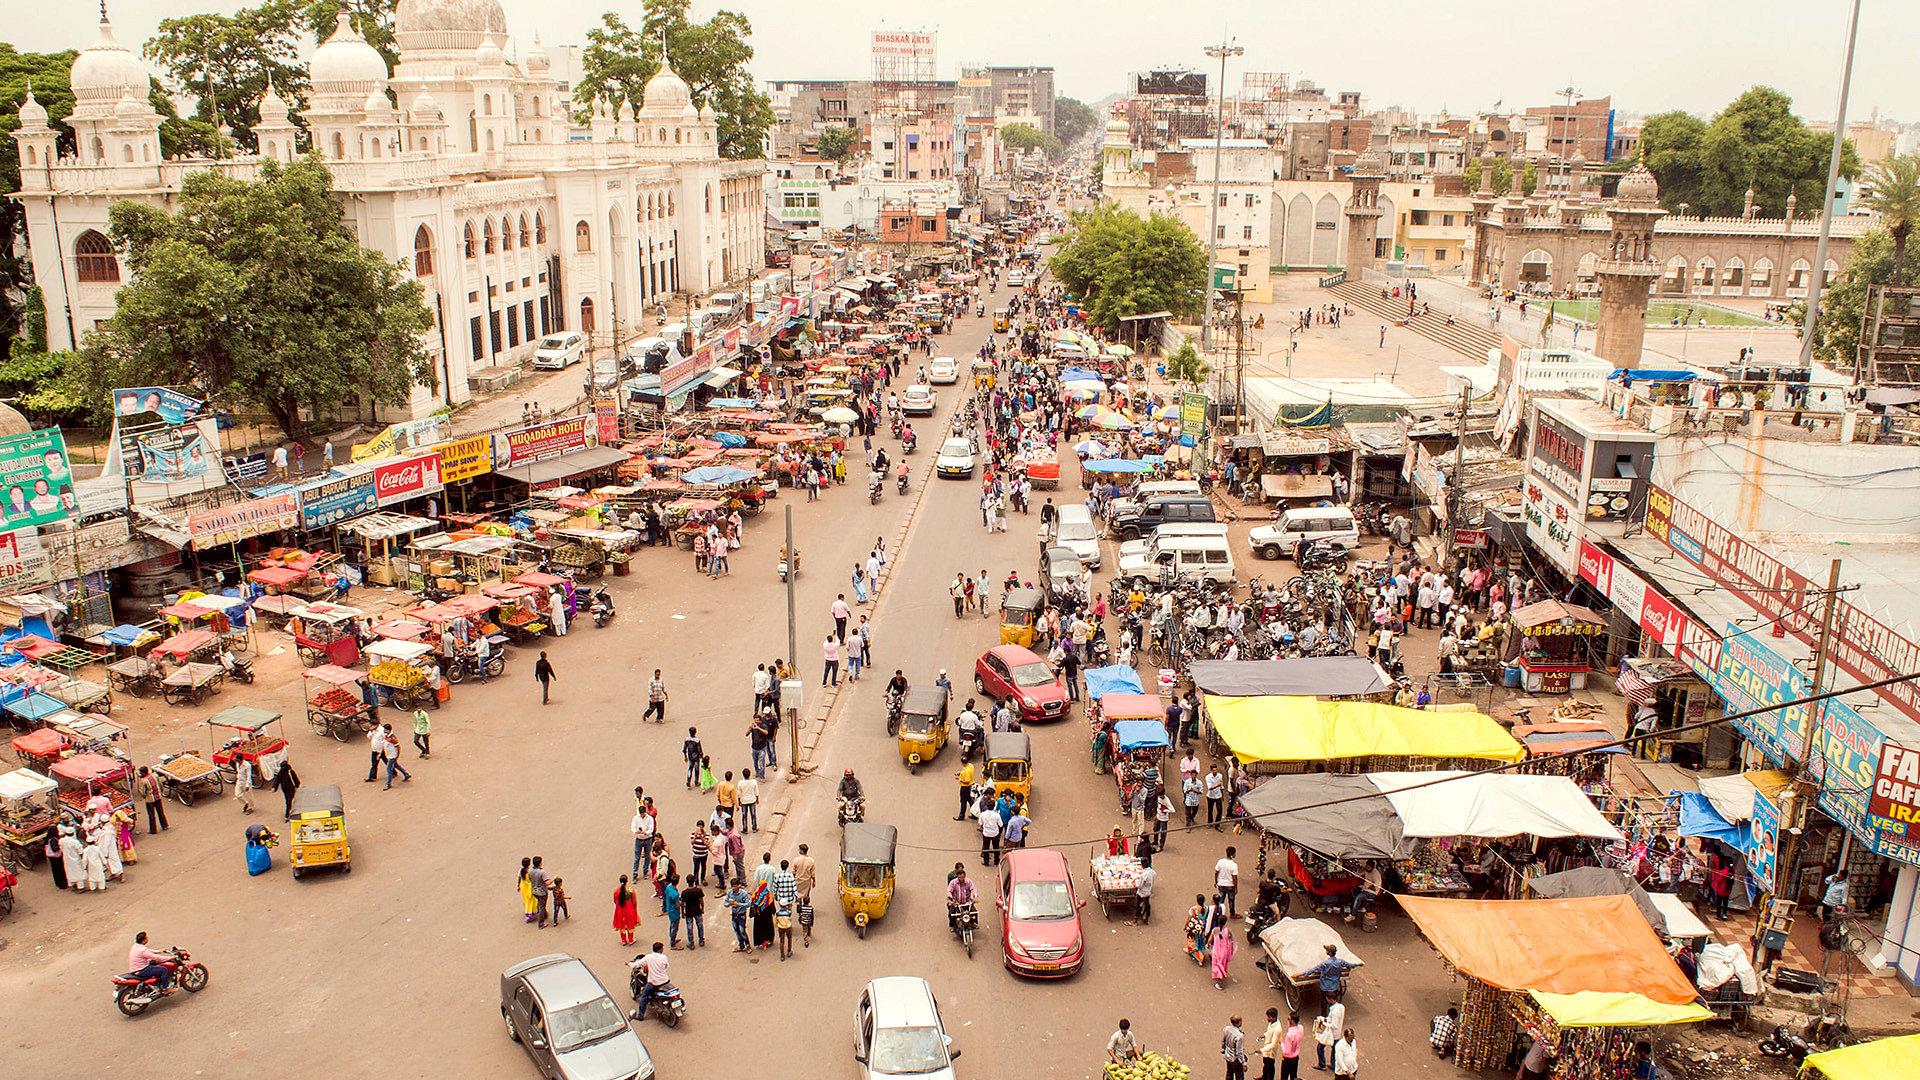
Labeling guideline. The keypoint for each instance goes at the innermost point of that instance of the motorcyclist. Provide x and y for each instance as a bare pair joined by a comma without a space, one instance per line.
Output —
897,686
850,787
145,963
654,965
961,895
906,435
893,404
875,478
880,459
968,723
901,474
921,376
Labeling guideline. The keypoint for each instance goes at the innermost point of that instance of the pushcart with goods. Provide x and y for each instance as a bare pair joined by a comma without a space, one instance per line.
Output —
185,776
1116,880
26,814
243,732
398,669
336,707
1294,948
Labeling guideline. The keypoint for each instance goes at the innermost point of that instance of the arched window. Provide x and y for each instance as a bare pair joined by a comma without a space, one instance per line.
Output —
709,198
126,152
506,234
489,138
486,104
33,156
422,252
487,243
473,248
662,137
93,257
273,149
539,228
582,237
99,150
586,316
526,235
339,147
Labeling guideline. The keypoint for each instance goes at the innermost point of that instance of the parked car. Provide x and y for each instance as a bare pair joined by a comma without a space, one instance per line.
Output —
917,400
1040,914
608,371
1161,510
955,459
1334,524
897,1031
1011,673
560,350
943,370
568,1023
779,257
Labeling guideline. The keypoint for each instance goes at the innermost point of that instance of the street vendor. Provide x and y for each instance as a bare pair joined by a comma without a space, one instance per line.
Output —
1371,887
1330,971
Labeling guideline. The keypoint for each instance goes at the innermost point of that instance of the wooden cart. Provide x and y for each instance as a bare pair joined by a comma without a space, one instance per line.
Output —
191,684
1116,880
134,675
186,775
335,706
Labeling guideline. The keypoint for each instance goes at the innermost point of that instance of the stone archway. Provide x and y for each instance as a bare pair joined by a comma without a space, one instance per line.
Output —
1674,281
1703,279
1536,266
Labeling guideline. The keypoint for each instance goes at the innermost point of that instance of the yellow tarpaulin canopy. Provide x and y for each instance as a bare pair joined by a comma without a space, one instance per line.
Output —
1307,729
1592,1008
1875,1060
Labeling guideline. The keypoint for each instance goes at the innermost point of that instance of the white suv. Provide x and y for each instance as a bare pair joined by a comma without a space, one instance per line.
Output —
560,350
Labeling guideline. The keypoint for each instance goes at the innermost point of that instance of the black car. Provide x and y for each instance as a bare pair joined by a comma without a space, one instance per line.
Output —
1162,510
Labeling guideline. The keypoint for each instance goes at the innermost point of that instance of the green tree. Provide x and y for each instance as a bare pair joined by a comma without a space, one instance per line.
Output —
835,143
1502,175
1895,195
1073,118
257,293
1123,264
1529,178
711,57
1186,366
47,72
236,57
1843,305
1028,137
1670,143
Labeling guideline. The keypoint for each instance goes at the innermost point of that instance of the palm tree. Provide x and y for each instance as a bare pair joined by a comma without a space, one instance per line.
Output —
1895,196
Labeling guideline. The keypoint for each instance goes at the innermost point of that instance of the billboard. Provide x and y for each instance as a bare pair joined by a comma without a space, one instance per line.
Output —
1171,84
545,440
464,459
23,561
183,457
1193,414
168,404
405,437
36,482
337,499
406,478
1752,676
235,522
1896,787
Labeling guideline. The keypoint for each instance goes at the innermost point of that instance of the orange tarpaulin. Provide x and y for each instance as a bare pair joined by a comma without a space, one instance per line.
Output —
1599,943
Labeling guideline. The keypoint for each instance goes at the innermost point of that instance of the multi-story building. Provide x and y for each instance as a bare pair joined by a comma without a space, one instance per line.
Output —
516,220
1181,183
1417,225
1015,92
1584,128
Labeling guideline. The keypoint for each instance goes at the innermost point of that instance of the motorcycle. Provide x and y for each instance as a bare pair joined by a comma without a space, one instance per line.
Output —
852,808
133,993
894,707
979,311
874,488
464,666
896,427
964,920
1322,555
969,741
909,441
1261,916
600,606
665,1000
1785,1044
238,669
900,481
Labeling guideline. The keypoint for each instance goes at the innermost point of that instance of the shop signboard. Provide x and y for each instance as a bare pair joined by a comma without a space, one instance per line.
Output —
23,561
165,402
679,376
1475,539
1861,645
1428,480
1552,524
1895,798
606,415
464,459
407,478
544,441
1763,840
36,482
1559,454
1608,499
235,522
1847,757
1751,676
1193,414
405,437
338,499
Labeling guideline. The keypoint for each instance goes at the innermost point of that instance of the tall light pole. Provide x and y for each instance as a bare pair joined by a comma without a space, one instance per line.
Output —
1221,51
1826,209
1569,132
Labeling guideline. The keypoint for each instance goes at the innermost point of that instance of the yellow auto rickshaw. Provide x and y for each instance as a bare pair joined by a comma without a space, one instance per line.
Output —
1002,319
1010,764
1018,614
984,374
866,871
923,727
319,830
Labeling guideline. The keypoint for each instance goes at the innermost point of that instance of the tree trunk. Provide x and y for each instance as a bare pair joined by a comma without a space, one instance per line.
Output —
1899,231
286,413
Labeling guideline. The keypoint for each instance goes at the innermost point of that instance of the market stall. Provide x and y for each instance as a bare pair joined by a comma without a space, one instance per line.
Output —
1330,678
1897,1055
26,813
404,674
379,543
1670,709
519,616
84,777
327,634
1116,879
1553,645
1281,734
186,775
40,748
243,732
336,705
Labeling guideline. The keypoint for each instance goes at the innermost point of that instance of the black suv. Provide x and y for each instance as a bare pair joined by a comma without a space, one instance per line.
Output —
1162,510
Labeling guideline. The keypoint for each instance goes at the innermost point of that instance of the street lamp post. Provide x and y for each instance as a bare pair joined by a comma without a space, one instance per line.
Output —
1826,209
1221,52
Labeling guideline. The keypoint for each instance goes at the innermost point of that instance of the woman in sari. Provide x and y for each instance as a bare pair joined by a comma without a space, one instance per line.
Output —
626,911
527,905
1103,748
859,583
762,913
1221,955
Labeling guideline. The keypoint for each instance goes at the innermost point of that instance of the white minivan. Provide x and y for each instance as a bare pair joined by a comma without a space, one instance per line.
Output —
561,350
1189,557
1334,524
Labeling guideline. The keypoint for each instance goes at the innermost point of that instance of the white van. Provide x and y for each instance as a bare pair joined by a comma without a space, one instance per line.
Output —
1074,530
1144,545
1331,523
727,304
1190,558
560,350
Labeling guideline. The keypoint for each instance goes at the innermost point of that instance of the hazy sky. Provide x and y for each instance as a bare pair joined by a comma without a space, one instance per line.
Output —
1650,55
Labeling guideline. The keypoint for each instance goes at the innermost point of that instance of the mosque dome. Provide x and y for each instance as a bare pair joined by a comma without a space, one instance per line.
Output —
273,109
537,57
32,113
105,70
447,24
666,94
1639,185
346,60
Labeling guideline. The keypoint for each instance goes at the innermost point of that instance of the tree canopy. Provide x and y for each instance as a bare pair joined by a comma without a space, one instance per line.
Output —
1123,264
1836,337
835,143
1186,366
1073,118
257,293
1756,142
1028,137
711,57
227,62
1502,175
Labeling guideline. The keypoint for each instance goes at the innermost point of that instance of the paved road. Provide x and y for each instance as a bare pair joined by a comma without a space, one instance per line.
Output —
394,968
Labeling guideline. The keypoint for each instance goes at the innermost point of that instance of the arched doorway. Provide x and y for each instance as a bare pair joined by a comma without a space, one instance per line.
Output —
1536,267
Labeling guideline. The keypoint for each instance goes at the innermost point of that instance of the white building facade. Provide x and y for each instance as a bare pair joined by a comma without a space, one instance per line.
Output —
516,220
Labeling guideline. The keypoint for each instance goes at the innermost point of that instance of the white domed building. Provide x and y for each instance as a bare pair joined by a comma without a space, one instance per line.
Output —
464,163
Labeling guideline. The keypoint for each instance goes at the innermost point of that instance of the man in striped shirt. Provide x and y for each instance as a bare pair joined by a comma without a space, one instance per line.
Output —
785,891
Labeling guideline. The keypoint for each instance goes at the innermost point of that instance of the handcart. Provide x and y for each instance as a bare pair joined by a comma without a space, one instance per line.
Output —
82,695
1295,947
335,705
585,560
134,675
325,635
191,683
33,709
398,668
277,609
26,814
519,617
242,732
84,777
185,776
1116,880
40,748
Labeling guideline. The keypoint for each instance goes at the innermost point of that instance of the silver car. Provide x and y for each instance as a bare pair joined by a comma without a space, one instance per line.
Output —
897,1031
568,1023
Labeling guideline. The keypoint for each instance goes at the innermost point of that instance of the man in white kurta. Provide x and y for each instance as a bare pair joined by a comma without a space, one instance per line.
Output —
72,857
96,867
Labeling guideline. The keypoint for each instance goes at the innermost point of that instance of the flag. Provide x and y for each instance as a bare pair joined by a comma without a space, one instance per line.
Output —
1548,324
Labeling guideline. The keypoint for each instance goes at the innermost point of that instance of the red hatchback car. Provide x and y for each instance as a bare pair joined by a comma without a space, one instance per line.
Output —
1009,672
1039,914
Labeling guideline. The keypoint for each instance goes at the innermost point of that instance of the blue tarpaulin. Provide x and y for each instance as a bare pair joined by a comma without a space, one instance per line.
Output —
1112,679
1699,818
1646,375
1117,465
716,474
1074,374
1139,734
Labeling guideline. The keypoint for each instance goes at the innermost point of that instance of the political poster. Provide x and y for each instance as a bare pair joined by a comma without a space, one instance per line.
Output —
168,404
36,482
407,437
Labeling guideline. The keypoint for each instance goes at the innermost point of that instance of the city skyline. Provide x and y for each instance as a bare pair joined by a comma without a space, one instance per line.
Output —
1647,56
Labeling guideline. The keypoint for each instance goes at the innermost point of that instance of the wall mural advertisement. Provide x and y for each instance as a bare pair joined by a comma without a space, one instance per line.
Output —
36,481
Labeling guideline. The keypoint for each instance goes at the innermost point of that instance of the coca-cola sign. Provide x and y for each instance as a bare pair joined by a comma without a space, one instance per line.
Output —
407,478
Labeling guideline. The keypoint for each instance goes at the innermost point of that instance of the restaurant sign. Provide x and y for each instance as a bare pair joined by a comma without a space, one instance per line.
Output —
337,499
1750,677
235,522
464,459
546,440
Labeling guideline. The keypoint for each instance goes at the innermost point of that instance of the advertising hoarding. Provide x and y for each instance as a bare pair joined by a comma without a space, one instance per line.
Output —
36,481
235,522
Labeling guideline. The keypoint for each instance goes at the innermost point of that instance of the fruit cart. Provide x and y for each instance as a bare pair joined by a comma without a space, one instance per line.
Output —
40,749
26,813
336,706
242,731
1149,1066
1116,880
519,617
398,671
1295,947
84,777
324,634
185,776
542,584
189,684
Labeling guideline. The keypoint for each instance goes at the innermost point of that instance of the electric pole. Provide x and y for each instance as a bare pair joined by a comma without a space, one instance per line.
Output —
1455,501
793,653
1819,281
1221,51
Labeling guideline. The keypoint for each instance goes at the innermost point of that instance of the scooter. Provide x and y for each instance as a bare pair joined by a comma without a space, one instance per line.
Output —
783,566
664,1001
1784,1043
909,441
875,488
969,741
238,669
600,606
133,993
900,481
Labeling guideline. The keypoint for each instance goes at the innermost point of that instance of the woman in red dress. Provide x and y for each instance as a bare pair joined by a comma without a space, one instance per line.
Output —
626,911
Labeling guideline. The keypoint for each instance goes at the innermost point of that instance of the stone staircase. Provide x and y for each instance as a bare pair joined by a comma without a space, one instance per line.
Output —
1471,341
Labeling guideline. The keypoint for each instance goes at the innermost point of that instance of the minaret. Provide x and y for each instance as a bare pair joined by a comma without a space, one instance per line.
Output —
1483,202
275,135
1363,214
1628,271
37,143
